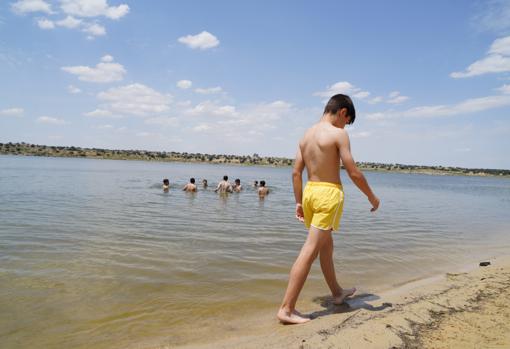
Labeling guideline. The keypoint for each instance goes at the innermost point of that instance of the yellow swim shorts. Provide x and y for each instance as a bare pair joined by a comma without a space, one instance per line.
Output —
323,205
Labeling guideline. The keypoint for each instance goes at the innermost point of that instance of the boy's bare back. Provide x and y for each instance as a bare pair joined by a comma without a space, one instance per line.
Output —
320,151
323,148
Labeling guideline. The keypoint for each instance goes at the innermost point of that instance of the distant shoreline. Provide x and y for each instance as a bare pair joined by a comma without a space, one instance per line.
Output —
245,160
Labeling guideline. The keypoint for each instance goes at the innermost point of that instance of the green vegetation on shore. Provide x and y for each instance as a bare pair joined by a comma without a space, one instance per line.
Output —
96,153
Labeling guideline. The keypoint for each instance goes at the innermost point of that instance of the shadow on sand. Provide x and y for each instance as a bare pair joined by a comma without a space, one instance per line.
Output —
349,305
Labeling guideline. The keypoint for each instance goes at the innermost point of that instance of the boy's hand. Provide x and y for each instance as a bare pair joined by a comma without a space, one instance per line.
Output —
374,201
299,213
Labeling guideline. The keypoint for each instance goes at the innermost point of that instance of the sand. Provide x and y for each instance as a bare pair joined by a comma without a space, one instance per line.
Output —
456,310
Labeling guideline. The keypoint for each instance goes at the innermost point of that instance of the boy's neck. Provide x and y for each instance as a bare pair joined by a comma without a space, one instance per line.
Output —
333,119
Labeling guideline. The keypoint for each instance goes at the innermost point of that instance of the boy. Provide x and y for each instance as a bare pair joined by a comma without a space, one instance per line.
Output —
263,191
237,186
224,186
166,184
320,208
190,187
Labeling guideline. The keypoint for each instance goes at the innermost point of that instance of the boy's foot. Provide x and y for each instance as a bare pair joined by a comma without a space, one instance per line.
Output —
346,292
291,318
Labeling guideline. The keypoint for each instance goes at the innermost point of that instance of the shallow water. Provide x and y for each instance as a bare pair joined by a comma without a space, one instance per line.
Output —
94,254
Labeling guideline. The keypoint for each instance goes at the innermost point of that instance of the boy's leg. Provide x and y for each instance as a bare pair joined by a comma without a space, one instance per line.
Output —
328,269
313,244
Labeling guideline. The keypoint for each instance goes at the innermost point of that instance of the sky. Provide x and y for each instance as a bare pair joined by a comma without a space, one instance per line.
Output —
430,80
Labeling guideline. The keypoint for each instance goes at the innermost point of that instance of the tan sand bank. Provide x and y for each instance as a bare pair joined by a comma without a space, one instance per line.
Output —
458,310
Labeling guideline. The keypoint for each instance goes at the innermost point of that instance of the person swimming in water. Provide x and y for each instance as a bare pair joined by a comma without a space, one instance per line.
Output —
262,190
224,186
190,187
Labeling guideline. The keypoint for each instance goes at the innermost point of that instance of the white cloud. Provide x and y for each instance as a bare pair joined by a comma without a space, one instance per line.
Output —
343,87
504,89
69,22
26,6
361,94
45,24
212,108
203,127
201,41
51,120
490,64
262,115
497,60
251,122
494,16
121,129
396,98
17,112
363,134
97,113
163,121
183,103
104,72
208,91
73,89
151,135
107,58
184,84
376,100
105,127
501,46
468,106
72,9
135,99
377,116
94,29
93,8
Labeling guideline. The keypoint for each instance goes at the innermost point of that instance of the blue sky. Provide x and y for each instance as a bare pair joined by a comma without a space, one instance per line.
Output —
430,80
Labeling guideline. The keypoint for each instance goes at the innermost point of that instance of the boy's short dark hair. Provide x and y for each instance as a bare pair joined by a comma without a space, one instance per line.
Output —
238,180
192,180
338,102
225,178
262,183
166,181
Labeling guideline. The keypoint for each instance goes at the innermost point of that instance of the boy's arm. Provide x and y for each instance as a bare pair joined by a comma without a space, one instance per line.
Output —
354,173
297,183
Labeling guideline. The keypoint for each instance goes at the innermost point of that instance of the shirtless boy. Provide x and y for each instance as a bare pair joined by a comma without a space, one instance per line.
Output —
322,148
224,186
190,187
262,190
166,184
237,186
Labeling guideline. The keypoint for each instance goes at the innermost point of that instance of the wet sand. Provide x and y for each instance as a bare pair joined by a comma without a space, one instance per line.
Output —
456,310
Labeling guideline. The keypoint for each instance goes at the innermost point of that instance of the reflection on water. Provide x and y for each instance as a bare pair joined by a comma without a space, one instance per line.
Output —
94,254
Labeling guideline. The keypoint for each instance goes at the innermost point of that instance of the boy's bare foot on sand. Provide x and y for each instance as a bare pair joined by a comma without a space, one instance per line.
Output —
346,292
291,318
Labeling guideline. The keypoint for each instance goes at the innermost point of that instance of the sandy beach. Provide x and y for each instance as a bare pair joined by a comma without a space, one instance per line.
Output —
456,310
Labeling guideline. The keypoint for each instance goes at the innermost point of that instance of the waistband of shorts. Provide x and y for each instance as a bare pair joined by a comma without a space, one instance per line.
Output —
323,184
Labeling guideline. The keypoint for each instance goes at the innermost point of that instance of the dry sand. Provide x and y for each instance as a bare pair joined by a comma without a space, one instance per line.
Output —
456,310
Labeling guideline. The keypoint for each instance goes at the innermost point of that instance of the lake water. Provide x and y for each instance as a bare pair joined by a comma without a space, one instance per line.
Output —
93,254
